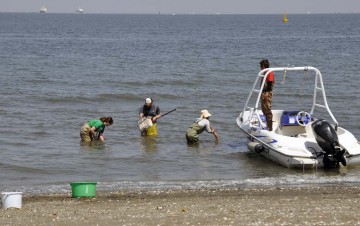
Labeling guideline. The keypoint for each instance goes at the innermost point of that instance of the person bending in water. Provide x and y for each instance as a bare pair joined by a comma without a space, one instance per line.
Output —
92,127
200,125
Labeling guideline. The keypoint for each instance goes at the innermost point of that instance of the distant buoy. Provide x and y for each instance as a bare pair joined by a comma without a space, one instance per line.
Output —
285,19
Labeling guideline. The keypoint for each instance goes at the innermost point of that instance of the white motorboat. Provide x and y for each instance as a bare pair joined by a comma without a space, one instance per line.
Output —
43,9
300,138
80,11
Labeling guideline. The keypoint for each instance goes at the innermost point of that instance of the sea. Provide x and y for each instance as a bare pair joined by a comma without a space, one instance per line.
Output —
58,71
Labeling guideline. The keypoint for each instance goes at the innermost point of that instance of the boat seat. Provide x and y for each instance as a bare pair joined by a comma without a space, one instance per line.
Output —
291,131
289,125
289,118
309,133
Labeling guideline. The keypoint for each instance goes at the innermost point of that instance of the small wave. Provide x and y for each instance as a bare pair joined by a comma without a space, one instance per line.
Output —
287,181
178,83
55,100
41,134
119,97
19,168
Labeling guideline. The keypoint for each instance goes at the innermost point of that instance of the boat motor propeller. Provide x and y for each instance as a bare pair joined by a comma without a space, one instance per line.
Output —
327,139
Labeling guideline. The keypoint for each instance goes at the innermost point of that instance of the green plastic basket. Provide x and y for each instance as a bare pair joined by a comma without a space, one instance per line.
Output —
83,189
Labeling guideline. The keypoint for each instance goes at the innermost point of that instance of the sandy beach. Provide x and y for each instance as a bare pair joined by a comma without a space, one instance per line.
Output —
327,205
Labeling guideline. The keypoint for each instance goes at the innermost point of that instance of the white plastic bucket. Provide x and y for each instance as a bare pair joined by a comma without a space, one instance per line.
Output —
11,200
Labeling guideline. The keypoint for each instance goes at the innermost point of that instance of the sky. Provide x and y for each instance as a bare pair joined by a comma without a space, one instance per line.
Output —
184,6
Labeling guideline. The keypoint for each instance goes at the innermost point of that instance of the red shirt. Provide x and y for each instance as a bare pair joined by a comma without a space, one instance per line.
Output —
270,77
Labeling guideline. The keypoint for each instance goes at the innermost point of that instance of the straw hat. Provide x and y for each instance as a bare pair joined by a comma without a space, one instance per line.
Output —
205,113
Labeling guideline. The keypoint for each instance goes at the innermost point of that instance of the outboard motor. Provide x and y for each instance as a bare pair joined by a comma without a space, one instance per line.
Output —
327,139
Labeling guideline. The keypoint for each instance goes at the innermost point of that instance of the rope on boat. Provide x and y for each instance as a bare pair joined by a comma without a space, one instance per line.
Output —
301,92
284,77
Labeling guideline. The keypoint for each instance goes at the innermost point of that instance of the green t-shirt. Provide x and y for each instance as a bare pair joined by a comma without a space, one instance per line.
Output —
98,124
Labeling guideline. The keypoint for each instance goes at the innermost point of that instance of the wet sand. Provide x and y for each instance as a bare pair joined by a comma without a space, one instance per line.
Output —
326,205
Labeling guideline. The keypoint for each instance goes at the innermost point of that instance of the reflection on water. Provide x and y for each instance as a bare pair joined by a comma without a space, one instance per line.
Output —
262,167
94,145
206,148
341,171
148,144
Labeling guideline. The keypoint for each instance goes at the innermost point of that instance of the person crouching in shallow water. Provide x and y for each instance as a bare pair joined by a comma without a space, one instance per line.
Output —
200,125
150,110
266,95
92,127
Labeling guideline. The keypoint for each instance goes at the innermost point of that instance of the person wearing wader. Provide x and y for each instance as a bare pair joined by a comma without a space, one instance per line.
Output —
90,128
266,95
200,125
150,110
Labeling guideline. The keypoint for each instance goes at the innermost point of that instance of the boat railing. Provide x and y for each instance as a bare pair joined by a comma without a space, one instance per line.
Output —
319,87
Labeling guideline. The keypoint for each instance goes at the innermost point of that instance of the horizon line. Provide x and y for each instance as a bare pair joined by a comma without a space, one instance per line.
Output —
169,13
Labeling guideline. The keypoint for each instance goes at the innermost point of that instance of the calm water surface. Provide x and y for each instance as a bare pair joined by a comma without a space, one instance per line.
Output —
60,70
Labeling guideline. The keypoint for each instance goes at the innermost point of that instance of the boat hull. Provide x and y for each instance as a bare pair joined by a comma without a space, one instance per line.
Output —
300,151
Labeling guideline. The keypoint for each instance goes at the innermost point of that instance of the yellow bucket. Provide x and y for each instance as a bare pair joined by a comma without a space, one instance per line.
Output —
152,130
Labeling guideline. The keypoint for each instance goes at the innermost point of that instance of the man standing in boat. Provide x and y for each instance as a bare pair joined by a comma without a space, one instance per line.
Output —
266,95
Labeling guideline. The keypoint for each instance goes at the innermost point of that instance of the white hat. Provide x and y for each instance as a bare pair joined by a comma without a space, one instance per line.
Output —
148,101
205,113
